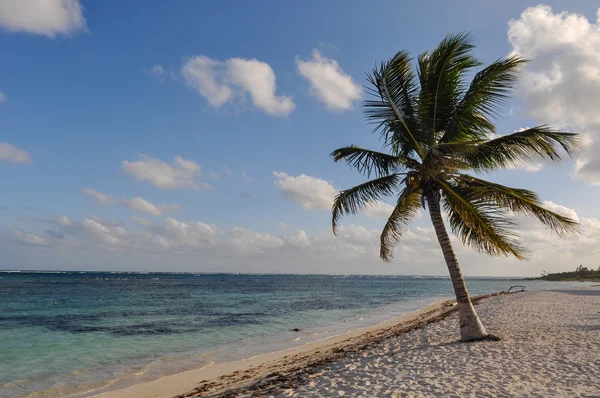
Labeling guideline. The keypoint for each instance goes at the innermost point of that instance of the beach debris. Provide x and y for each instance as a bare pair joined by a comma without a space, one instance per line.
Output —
295,330
517,287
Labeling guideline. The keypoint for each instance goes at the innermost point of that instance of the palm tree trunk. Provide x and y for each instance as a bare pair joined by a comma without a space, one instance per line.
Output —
471,327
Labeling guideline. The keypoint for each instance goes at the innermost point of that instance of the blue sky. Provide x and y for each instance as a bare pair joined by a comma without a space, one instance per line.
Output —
100,99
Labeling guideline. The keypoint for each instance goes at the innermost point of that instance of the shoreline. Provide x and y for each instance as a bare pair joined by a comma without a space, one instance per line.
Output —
228,376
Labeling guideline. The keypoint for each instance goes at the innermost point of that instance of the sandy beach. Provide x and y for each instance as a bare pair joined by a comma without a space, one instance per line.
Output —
549,346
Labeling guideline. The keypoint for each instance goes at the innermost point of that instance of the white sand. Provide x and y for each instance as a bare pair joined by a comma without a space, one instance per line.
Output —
550,347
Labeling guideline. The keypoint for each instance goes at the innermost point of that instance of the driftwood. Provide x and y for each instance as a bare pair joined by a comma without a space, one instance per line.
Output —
518,286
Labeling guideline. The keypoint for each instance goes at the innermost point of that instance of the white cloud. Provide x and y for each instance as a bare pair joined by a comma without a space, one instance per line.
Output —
187,234
181,174
136,203
310,192
213,175
258,79
227,170
561,84
354,250
313,193
102,233
26,238
108,223
2,97
140,221
249,241
206,76
562,210
379,209
144,206
530,167
246,177
159,73
221,82
46,17
328,82
101,198
10,153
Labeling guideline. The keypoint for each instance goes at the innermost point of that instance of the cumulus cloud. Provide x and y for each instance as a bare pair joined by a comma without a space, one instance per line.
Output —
532,168
195,238
27,239
221,82
561,84
313,193
101,198
562,210
249,241
140,221
180,174
136,203
379,209
10,153
47,17
239,249
208,77
310,192
328,82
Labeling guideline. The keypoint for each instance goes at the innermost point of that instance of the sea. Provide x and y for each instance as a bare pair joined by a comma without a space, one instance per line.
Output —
79,333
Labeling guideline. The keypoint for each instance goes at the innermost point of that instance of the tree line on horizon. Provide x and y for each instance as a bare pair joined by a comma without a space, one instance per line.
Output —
581,273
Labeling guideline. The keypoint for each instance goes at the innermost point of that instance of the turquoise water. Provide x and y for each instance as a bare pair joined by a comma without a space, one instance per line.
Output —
72,332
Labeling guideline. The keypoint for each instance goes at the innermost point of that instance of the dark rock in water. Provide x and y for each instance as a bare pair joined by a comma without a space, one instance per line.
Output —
295,330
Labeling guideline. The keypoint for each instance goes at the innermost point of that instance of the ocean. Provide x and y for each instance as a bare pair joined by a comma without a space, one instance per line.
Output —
71,333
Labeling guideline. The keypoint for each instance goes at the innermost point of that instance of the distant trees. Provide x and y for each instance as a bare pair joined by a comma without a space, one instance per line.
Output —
581,273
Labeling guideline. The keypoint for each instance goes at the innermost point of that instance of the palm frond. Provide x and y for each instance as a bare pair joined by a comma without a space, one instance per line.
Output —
367,161
537,143
441,74
488,91
407,208
519,201
479,224
353,200
394,87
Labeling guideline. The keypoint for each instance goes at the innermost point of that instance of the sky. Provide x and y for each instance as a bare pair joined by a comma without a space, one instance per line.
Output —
194,136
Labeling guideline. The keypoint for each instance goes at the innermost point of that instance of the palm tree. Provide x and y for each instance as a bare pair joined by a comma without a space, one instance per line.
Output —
437,128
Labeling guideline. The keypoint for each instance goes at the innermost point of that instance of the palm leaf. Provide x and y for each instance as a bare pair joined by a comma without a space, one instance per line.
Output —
367,161
394,86
488,91
520,201
407,208
355,199
479,224
441,75
537,143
